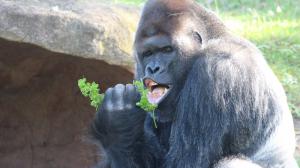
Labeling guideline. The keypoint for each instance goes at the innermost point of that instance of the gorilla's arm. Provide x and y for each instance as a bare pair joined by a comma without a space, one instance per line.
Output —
118,127
223,109
199,127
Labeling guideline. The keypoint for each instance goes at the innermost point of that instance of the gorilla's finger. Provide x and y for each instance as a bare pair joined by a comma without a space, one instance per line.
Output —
118,95
131,93
107,102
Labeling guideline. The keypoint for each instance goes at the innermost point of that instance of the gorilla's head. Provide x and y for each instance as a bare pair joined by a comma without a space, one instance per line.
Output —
171,34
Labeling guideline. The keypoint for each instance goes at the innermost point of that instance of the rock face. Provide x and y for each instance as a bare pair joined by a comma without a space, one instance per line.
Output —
43,49
87,29
43,116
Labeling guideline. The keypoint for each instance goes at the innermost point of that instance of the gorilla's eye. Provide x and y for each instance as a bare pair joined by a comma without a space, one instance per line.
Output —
198,37
167,49
147,53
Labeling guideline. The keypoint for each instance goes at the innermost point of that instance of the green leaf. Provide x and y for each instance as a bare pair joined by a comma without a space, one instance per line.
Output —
91,90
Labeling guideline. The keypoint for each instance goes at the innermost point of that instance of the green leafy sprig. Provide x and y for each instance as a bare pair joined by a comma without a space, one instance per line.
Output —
144,103
91,90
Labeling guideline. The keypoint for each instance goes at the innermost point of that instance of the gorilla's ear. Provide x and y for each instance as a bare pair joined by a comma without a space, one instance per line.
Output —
197,37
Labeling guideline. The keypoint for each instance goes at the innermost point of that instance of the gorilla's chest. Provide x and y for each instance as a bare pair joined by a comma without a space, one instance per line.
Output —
158,141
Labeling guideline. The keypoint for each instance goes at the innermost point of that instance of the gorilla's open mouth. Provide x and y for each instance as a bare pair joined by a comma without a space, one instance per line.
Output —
157,92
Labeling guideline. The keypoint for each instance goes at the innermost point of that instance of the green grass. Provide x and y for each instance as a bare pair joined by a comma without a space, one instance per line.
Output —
274,26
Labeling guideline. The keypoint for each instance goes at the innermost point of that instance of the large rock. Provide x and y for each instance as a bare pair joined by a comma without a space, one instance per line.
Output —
87,29
43,116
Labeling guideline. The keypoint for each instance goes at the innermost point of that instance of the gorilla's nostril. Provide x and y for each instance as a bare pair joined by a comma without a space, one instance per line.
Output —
149,70
156,69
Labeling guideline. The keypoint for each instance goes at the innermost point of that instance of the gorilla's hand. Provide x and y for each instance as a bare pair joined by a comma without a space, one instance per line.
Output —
119,106
119,121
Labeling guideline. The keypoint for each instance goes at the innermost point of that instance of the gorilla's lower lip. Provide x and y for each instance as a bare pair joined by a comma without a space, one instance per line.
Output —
157,91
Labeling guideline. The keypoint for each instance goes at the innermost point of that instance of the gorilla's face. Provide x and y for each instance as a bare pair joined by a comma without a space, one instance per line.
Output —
158,57
164,57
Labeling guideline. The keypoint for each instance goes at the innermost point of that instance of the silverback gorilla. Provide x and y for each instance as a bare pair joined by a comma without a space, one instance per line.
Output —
219,103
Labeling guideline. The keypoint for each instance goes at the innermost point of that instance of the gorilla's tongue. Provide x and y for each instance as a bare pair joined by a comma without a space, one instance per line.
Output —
156,90
155,95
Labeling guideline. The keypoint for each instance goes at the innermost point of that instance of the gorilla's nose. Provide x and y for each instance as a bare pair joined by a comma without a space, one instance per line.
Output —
153,69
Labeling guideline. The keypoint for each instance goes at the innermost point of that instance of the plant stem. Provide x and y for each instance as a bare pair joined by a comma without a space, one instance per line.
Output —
153,116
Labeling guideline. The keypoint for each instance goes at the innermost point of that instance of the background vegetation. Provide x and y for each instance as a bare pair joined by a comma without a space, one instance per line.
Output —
274,26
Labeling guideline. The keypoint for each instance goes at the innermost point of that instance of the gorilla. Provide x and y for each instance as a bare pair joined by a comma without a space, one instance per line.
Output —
219,103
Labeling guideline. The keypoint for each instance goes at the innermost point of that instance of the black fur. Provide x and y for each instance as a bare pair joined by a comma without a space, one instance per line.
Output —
226,108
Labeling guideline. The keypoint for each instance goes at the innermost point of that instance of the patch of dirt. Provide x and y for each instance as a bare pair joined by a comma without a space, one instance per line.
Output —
43,116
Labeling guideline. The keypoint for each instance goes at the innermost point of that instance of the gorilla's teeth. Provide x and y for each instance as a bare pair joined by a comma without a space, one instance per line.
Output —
157,93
